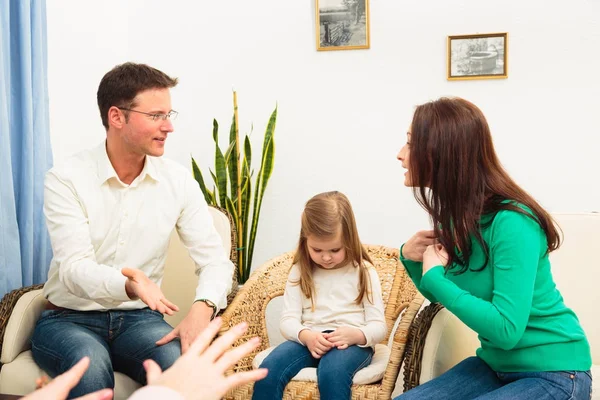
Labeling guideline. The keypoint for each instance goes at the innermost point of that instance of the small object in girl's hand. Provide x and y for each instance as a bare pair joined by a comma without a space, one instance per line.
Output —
327,331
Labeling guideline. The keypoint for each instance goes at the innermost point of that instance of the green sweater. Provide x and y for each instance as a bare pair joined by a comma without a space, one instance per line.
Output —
513,304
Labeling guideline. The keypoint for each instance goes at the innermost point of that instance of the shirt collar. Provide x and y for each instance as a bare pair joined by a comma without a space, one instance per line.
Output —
106,170
150,169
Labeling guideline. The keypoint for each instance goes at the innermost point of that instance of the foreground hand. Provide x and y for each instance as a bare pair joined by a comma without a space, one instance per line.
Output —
59,387
415,246
42,381
434,255
346,336
188,330
316,342
138,285
200,373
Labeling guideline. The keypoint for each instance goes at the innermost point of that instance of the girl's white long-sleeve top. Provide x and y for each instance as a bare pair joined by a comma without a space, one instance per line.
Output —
335,293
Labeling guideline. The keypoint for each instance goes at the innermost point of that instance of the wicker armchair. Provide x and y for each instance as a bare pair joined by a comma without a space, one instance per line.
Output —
268,282
417,333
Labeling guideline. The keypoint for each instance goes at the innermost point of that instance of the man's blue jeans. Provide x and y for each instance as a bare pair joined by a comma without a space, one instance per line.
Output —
474,379
114,341
335,370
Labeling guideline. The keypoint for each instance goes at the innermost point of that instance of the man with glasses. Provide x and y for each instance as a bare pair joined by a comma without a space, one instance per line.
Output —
110,212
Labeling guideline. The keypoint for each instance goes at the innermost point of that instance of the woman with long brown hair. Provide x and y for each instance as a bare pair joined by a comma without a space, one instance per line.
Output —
486,260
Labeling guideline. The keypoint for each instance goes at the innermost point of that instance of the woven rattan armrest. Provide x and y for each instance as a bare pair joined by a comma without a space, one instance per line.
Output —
417,334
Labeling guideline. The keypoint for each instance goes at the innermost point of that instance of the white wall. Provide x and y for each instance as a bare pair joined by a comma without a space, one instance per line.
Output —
343,115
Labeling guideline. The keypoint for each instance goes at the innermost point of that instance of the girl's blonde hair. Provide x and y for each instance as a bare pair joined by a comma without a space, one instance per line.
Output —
324,215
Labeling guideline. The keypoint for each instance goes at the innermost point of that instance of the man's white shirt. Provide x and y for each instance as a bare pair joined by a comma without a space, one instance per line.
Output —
98,225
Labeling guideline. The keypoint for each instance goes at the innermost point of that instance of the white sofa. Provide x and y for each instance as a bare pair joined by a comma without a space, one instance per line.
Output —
19,371
576,271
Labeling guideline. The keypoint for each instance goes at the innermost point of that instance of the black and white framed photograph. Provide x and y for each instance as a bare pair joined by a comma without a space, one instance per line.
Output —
480,56
342,24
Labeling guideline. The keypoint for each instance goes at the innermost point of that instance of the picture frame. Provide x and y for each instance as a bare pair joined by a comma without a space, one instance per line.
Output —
342,24
479,56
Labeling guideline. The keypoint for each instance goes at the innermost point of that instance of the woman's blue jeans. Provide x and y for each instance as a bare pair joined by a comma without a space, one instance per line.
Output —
474,379
114,341
335,370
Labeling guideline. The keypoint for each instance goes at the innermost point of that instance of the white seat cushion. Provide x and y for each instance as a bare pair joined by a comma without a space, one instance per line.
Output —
371,373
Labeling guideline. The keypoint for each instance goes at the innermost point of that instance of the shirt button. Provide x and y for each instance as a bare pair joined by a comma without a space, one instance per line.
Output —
122,242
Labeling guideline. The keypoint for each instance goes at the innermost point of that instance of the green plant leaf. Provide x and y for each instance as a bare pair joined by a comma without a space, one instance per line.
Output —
232,161
244,210
264,173
213,197
220,175
246,199
248,151
231,209
200,179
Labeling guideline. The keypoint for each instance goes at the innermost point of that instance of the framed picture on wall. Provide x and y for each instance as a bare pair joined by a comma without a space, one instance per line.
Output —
481,56
342,24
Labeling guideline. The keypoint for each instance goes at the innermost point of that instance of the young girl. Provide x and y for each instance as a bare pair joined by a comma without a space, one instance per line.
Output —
486,261
333,310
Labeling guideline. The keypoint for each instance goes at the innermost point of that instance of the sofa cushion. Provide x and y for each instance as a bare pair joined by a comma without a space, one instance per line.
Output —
448,342
21,324
372,373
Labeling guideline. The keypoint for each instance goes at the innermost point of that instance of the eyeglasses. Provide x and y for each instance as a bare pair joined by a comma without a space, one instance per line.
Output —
172,115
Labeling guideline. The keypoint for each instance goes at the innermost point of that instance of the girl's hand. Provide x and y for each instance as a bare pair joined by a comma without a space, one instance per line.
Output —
434,255
316,342
415,246
346,336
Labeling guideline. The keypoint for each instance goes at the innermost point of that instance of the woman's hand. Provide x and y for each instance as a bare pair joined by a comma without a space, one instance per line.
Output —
414,248
434,255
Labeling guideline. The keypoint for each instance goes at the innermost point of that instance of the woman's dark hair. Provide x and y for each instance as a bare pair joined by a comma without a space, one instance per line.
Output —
458,178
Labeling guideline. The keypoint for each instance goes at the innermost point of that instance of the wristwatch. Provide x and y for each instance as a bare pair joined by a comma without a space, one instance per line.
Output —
211,305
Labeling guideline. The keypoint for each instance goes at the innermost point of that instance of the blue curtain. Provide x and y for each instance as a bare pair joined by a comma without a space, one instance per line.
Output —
25,152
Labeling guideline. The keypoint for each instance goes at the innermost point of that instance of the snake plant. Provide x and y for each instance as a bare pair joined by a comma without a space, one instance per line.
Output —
233,188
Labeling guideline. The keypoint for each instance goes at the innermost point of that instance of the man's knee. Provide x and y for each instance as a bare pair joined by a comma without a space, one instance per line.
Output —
99,374
166,355
58,357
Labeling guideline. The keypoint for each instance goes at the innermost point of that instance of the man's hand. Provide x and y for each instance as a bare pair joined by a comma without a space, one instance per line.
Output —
415,246
60,386
345,336
197,319
434,255
315,342
139,286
